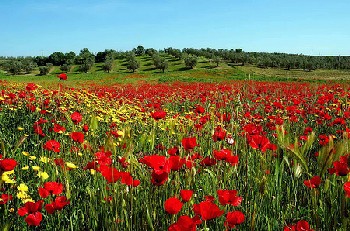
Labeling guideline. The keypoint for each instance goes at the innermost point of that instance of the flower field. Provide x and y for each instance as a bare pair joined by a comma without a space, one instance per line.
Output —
243,155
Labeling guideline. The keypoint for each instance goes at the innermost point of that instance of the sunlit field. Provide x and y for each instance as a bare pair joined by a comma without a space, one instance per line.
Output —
243,155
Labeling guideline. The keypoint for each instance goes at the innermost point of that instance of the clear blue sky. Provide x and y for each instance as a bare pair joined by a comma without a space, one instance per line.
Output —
43,26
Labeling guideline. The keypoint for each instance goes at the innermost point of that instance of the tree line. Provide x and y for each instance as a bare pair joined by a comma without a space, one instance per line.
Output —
85,60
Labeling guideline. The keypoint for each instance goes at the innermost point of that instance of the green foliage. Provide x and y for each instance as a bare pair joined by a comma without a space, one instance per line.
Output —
108,65
28,65
14,67
133,64
191,61
160,62
65,67
139,50
44,70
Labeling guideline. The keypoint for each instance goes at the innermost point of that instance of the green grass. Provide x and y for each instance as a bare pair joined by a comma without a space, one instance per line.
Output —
205,71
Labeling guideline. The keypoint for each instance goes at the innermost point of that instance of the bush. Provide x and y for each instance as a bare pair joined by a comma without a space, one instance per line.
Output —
133,64
191,61
14,67
65,68
44,70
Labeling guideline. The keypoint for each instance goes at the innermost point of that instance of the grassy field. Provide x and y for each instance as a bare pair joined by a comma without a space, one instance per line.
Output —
205,71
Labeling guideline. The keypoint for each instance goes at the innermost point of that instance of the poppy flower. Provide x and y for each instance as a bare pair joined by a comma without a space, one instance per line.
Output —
172,205
159,179
76,117
157,115
314,182
77,137
49,188
85,128
185,223
234,218
259,142
52,145
176,162
62,76
219,134
347,189
58,128
229,197
4,198
31,87
8,164
340,167
186,194
158,163
34,219
58,204
173,151
189,143
207,210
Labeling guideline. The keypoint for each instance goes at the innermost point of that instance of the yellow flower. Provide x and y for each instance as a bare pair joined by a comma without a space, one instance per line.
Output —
80,154
25,153
25,167
71,165
92,171
44,159
43,175
5,177
32,157
20,128
36,168
22,187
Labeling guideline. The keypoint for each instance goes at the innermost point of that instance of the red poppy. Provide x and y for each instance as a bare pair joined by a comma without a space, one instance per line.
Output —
159,179
33,210
219,134
341,167
185,223
52,145
207,161
259,142
347,189
58,128
314,182
111,174
199,109
234,218
34,219
76,117
229,197
49,188
157,115
158,163
31,87
85,128
173,151
58,204
62,76
77,137
207,210
176,162
8,164
189,143
4,198
186,194
172,205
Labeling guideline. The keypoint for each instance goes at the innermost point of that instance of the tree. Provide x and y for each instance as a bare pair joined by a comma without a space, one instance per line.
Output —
44,70
216,60
133,64
69,57
160,62
191,61
65,67
57,58
14,67
139,50
86,60
108,64
28,65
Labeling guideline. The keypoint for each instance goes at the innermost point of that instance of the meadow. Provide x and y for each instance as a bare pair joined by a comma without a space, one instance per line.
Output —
205,149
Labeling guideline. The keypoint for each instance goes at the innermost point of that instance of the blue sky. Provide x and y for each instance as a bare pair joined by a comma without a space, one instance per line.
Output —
314,27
